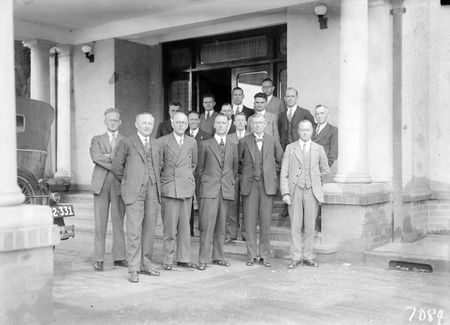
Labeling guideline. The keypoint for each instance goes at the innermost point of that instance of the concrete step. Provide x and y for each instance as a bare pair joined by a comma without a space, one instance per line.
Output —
431,250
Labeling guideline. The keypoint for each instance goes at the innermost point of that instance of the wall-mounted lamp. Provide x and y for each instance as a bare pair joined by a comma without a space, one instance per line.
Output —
320,11
87,50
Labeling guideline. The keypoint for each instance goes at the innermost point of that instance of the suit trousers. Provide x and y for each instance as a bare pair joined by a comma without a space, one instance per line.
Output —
102,202
141,226
303,212
212,216
233,216
175,217
257,210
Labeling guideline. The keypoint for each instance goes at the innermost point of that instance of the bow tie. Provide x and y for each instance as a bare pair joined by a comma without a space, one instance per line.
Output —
259,140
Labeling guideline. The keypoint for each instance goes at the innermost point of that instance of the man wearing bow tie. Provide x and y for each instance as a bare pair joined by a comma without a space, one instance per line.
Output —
260,156
137,166
105,189
238,106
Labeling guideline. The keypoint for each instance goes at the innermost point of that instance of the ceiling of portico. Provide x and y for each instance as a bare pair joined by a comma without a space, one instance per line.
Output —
78,21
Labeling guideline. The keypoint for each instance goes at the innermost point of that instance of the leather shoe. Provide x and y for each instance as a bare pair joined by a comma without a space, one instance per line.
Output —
251,261
202,266
221,263
264,262
244,239
98,266
133,277
188,265
121,263
284,214
294,264
150,272
310,263
167,267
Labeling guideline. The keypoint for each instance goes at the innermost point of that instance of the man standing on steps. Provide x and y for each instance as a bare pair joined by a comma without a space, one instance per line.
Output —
271,119
288,122
216,172
207,118
260,158
274,104
304,166
137,166
238,106
233,222
105,189
165,127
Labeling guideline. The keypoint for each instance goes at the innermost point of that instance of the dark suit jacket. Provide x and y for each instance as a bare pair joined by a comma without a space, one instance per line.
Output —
164,128
328,139
272,157
207,126
247,111
299,115
201,135
178,166
100,145
212,175
128,166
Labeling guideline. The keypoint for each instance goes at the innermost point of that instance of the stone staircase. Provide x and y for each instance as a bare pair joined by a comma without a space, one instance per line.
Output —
83,203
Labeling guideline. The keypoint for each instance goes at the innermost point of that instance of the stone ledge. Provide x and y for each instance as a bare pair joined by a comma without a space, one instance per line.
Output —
356,194
28,238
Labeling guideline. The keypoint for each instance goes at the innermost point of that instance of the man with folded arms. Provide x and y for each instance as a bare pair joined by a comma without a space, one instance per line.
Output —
304,165
136,166
260,157
217,170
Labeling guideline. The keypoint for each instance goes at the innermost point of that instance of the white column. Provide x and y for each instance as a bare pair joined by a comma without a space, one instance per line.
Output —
40,69
10,193
353,164
63,122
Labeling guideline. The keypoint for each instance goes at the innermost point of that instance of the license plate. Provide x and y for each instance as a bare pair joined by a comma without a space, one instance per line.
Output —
59,211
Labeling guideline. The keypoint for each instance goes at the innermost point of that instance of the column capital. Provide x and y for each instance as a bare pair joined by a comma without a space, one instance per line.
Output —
39,44
376,3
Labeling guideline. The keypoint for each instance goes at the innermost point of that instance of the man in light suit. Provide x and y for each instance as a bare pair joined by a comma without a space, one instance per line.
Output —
199,135
217,171
104,187
271,119
178,154
233,222
288,122
274,104
260,156
304,165
137,166
165,127
237,97
207,118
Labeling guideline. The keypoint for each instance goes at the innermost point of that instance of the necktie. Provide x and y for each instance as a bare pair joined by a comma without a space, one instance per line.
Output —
180,143
207,116
192,133
239,135
146,145
304,148
289,116
222,150
113,142
318,129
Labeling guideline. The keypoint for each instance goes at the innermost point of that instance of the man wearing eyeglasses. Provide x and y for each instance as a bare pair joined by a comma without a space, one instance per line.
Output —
178,156
106,196
274,104
260,156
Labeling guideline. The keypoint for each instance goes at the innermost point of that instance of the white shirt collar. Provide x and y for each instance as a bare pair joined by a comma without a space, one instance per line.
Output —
178,137
194,132
262,136
217,137
308,144
320,127
110,134
143,138
293,109
269,98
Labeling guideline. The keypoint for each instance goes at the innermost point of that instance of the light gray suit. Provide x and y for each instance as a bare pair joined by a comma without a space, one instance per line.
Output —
275,106
303,199
105,189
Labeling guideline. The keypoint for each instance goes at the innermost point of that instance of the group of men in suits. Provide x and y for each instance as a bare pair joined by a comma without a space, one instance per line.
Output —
221,158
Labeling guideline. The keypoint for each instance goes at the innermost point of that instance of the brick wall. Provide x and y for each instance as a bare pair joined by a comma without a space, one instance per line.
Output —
438,215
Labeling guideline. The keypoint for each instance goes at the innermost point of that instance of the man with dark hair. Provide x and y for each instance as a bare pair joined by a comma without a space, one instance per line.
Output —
217,171
199,136
238,106
274,104
207,118
271,119
104,188
288,122
260,157
165,128
228,112
304,166
137,166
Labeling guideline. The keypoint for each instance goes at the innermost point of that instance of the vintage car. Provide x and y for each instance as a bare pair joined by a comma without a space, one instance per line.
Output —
33,125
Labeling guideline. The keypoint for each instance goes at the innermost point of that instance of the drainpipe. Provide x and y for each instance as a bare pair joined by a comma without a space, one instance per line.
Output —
397,127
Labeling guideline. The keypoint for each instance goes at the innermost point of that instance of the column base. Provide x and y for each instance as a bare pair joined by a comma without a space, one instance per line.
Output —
356,218
353,178
27,238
